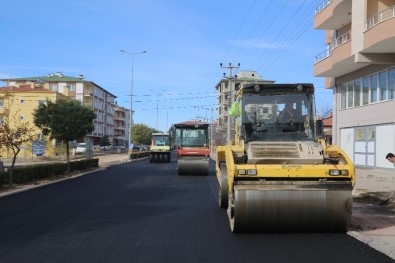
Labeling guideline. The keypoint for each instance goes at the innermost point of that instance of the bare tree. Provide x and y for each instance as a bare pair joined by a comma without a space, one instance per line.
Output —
13,134
323,109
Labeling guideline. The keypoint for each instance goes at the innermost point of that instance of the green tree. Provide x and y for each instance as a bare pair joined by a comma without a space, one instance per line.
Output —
141,134
13,134
105,141
65,120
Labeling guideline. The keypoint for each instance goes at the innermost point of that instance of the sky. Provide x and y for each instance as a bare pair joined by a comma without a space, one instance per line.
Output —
185,42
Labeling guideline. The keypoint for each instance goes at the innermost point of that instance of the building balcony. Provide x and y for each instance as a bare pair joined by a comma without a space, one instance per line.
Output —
119,118
332,14
379,37
337,63
337,60
88,93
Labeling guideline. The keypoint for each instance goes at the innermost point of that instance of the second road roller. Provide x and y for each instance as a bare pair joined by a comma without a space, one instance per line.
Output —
160,148
193,152
277,174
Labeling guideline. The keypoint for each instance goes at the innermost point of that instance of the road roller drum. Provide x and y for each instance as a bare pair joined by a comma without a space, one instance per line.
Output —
291,208
193,165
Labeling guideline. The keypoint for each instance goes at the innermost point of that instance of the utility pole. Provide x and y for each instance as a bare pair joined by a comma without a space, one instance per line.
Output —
230,97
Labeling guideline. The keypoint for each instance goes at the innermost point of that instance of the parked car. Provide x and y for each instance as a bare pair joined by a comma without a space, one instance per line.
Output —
81,148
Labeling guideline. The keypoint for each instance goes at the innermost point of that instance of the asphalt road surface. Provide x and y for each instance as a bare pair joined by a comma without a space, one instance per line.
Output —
145,212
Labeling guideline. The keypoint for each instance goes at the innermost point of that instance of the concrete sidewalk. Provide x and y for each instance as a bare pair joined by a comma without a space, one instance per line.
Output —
371,223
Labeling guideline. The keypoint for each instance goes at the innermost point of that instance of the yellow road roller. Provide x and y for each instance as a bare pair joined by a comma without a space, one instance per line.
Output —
278,174
160,151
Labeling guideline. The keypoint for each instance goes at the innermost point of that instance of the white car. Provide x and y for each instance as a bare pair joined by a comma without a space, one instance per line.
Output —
81,148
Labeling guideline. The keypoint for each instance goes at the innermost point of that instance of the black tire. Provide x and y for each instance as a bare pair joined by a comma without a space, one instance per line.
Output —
166,157
223,187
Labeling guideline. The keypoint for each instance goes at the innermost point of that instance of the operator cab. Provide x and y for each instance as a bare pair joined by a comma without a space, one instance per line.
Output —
275,112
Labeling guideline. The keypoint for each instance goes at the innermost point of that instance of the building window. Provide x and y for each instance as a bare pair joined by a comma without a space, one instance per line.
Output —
383,85
357,92
39,102
343,96
21,117
1,103
53,86
72,87
373,88
391,83
350,93
365,90
21,101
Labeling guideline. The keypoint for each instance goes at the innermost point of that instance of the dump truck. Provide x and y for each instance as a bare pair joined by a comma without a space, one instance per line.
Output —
160,148
192,143
277,174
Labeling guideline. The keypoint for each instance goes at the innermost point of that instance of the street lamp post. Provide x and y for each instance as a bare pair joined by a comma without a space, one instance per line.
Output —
131,94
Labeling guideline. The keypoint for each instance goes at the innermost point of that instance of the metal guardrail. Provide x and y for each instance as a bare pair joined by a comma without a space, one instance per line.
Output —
338,42
322,6
380,17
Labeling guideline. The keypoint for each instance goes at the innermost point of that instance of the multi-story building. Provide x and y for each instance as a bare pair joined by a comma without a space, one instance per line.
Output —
88,92
227,92
359,65
121,126
17,105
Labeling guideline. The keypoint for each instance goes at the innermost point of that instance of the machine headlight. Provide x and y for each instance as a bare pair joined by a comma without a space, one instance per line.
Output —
251,172
257,88
336,172
247,172
343,172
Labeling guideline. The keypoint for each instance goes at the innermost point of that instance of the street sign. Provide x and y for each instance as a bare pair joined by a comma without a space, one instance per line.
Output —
38,147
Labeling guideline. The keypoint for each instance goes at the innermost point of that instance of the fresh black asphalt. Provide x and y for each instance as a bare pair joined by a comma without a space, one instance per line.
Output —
145,212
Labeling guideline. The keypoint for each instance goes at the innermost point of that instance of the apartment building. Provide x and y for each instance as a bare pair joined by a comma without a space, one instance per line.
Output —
358,64
88,92
121,126
17,104
226,90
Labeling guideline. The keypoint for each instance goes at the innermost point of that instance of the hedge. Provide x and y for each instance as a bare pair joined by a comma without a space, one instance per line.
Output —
30,173
136,155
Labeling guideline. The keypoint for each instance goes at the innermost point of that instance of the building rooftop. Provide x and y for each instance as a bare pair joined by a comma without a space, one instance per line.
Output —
56,77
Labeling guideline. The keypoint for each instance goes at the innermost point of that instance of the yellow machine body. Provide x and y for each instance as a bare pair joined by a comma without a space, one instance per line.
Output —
160,148
283,178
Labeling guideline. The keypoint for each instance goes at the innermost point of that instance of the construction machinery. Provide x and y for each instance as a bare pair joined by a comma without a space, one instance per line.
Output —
160,148
193,152
277,174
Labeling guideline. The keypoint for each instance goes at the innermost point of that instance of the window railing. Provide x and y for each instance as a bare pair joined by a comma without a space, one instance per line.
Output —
322,6
380,17
343,39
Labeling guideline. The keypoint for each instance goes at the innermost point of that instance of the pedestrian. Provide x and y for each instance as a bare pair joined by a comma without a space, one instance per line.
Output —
391,158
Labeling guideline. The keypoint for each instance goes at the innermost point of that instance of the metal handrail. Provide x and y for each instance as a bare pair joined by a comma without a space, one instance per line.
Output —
322,6
380,17
341,40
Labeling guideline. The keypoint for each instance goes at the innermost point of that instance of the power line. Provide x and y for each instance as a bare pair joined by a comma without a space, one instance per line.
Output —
296,32
280,33
240,27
